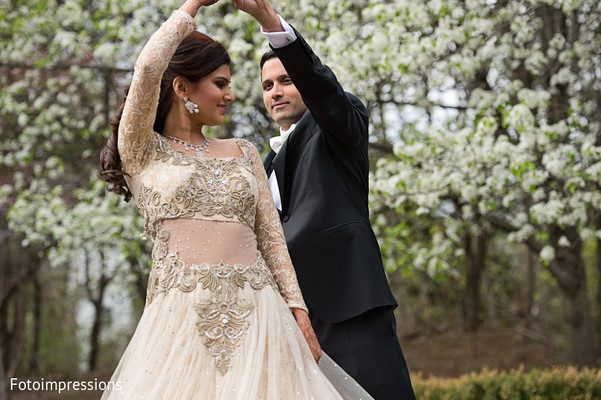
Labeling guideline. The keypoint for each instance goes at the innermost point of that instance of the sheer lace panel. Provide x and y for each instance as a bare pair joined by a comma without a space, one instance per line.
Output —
198,241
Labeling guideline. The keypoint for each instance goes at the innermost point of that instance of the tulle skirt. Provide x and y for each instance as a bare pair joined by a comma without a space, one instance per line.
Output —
213,344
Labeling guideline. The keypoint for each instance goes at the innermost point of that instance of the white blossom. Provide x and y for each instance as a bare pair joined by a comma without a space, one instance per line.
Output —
547,254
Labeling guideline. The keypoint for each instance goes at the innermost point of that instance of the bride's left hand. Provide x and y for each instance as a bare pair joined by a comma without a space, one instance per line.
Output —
304,323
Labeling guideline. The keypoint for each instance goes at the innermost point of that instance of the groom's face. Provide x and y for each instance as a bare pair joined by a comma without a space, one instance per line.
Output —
282,100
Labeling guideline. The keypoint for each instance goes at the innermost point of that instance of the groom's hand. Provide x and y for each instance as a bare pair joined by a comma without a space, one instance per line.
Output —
262,11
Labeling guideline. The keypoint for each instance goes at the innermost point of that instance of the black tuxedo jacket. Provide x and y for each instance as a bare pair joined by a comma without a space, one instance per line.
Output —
322,172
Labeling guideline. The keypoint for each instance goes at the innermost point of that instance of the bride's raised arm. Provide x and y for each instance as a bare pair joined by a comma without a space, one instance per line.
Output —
139,113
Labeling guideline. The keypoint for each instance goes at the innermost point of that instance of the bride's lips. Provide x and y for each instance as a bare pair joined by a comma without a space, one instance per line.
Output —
222,108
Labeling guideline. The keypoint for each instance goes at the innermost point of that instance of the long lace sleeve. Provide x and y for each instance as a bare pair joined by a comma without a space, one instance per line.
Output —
271,240
136,125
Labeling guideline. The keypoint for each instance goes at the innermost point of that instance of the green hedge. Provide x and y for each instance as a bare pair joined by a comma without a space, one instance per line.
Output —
559,383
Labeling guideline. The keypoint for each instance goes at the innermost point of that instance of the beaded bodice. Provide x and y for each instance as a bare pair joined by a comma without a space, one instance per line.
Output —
178,185
197,211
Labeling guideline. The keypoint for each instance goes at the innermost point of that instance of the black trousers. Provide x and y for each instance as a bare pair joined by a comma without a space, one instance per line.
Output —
367,348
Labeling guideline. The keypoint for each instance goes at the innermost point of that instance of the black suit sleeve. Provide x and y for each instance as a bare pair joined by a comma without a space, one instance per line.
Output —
339,114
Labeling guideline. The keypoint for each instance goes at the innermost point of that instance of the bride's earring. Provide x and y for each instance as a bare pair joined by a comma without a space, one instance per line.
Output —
191,106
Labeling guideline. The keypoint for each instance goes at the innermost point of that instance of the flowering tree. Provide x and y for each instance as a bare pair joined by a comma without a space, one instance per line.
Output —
492,109
510,94
61,71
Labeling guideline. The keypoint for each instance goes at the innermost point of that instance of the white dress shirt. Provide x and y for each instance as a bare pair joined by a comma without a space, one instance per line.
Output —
276,145
280,39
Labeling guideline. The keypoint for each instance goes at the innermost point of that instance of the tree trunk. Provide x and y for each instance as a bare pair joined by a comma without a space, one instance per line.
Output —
3,380
95,335
406,321
4,266
528,288
580,343
17,336
141,275
37,320
568,265
96,299
475,252
598,294
489,298
16,266
568,269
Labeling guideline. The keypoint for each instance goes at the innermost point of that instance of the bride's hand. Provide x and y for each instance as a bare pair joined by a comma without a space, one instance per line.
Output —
203,3
302,319
191,7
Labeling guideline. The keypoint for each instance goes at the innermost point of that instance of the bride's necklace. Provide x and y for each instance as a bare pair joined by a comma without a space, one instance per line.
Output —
198,148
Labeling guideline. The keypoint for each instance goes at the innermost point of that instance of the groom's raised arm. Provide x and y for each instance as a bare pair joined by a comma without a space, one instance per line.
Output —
339,114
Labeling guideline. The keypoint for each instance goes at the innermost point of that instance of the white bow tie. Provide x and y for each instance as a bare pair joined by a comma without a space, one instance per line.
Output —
277,142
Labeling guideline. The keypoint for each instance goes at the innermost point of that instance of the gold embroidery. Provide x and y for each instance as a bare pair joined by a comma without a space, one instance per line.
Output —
219,187
223,316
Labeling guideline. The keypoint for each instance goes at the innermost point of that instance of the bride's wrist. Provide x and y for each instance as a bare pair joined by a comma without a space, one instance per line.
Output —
191,7
299,313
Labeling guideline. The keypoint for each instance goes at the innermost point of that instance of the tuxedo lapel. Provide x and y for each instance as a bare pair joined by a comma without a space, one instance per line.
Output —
268,163
279,165
277,161
302,132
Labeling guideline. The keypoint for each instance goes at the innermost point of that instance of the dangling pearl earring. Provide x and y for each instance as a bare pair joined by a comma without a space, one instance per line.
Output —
191,106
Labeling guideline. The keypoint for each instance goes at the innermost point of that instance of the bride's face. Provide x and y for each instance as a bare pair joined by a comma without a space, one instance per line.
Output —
212,94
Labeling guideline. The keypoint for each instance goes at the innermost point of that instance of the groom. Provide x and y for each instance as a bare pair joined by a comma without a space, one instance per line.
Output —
318,172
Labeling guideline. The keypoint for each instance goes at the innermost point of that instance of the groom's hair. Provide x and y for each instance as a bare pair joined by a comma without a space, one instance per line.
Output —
267,56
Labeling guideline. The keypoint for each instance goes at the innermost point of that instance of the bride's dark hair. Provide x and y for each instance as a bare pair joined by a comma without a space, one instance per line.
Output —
197,56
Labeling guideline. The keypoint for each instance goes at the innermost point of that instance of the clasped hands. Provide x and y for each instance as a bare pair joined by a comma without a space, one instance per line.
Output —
260,10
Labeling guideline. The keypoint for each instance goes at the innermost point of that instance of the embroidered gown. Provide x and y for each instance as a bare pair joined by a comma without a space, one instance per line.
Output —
216,324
